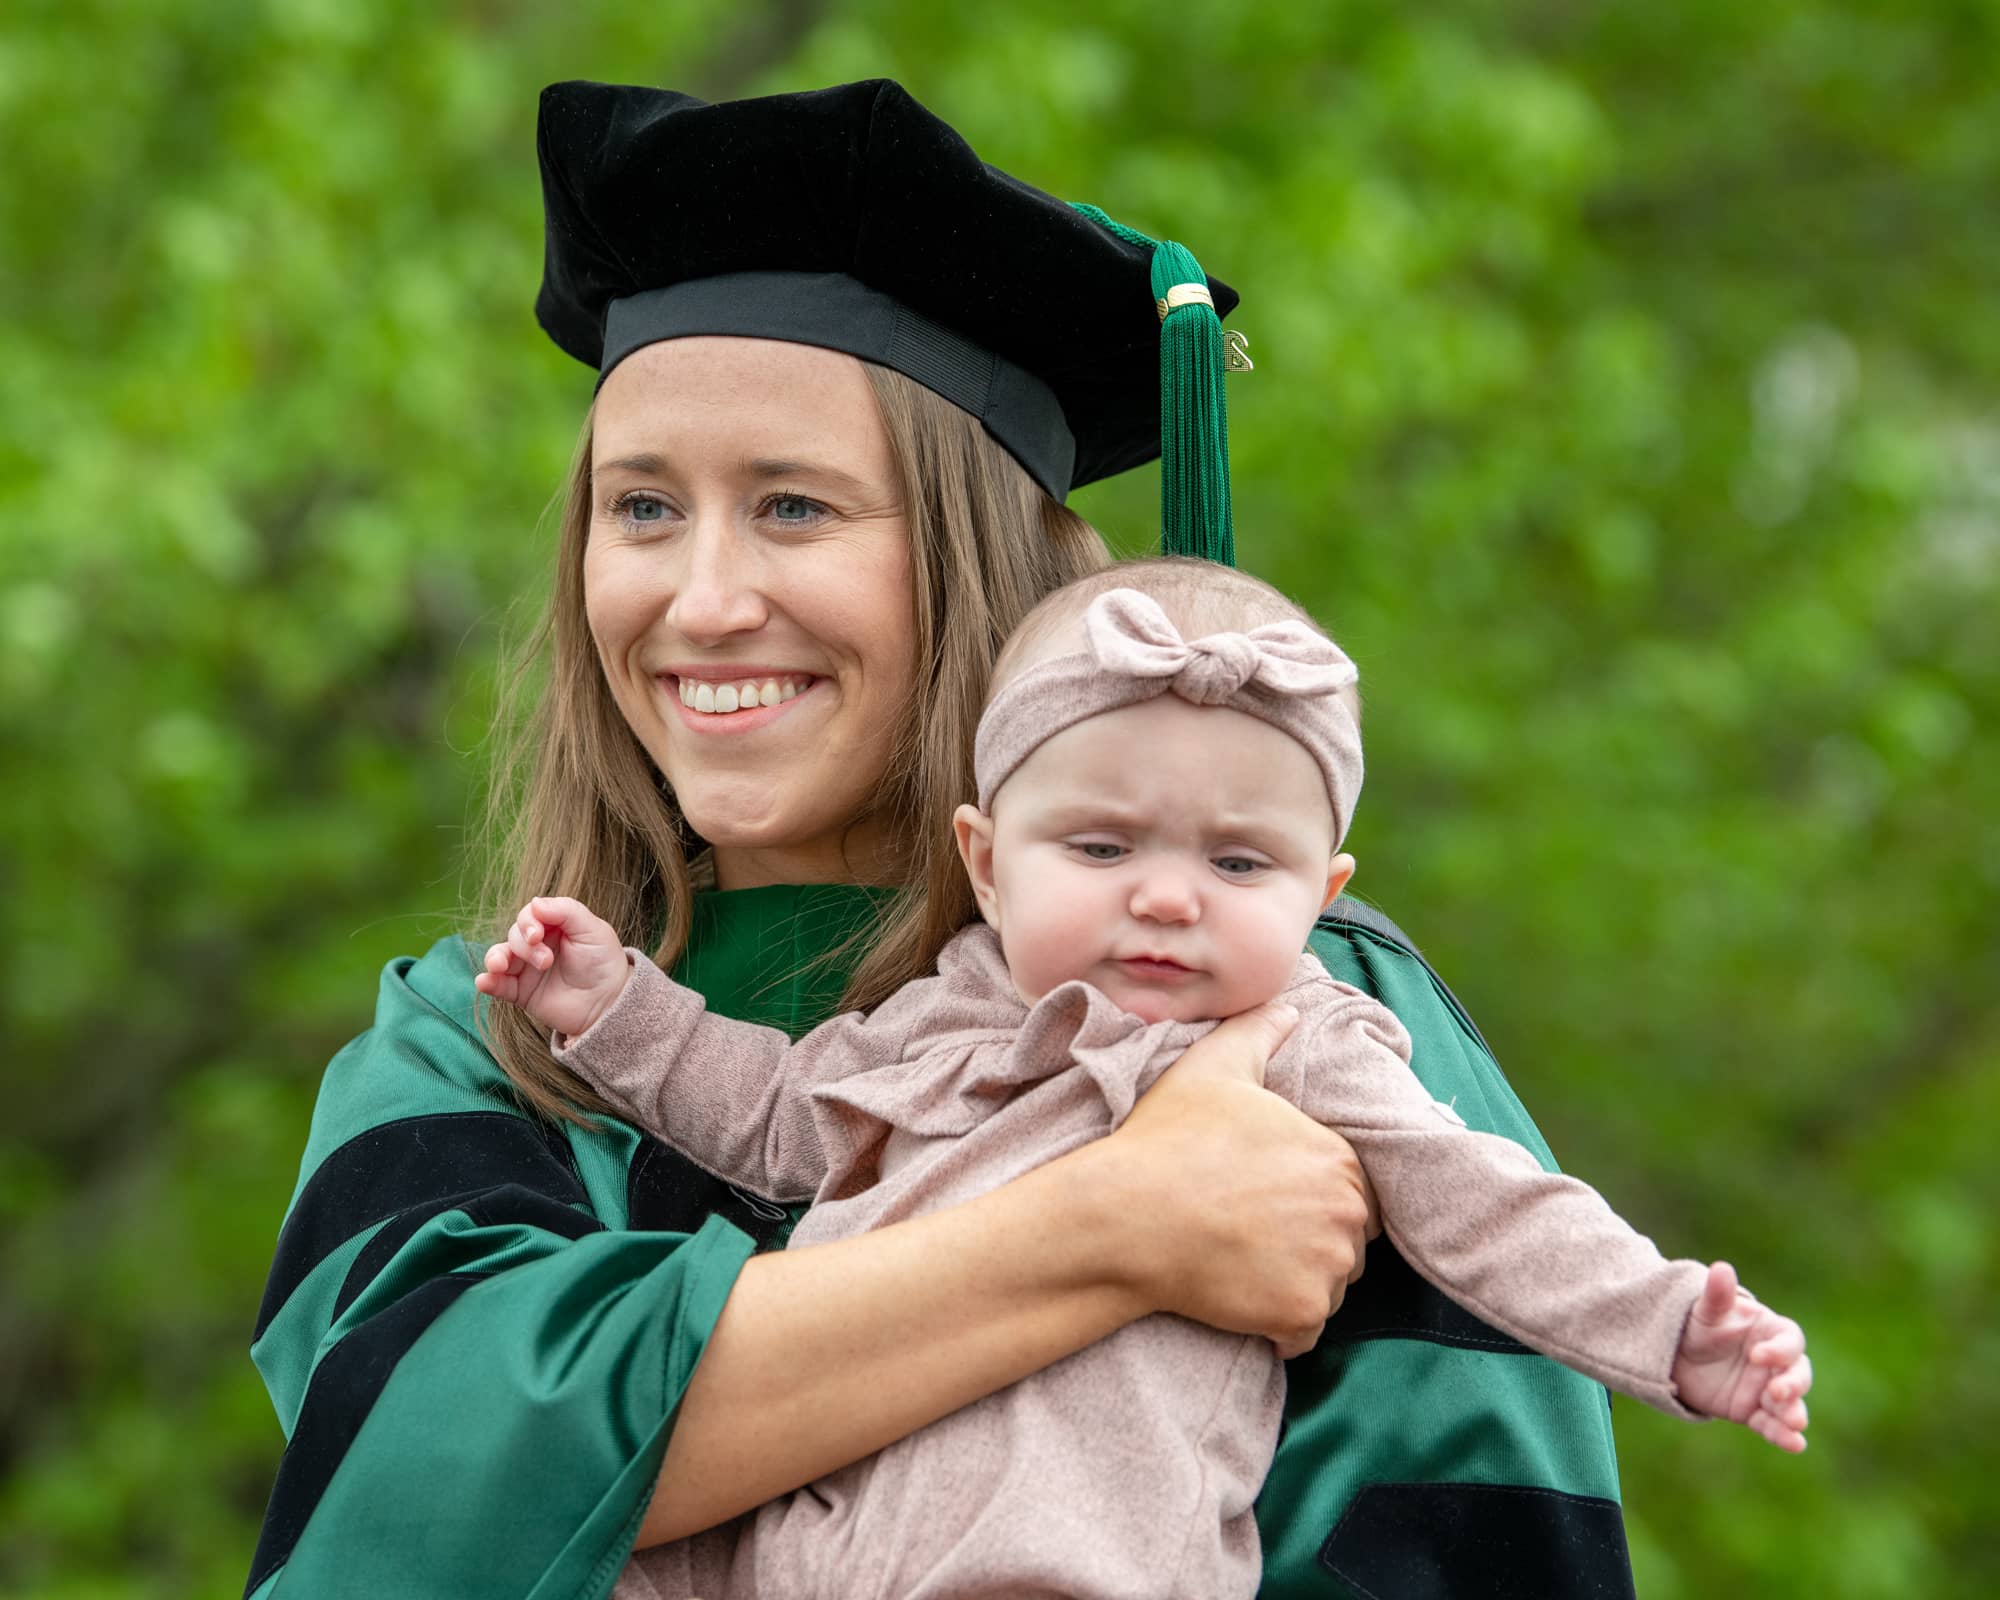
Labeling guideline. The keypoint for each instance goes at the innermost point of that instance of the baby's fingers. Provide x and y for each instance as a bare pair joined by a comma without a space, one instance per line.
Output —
499,987
502,962
1769,1428
1788,1413
524,939
1718,1293
1782,1347
1793,1383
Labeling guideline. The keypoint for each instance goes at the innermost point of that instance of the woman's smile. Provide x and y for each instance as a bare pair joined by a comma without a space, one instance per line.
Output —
741,691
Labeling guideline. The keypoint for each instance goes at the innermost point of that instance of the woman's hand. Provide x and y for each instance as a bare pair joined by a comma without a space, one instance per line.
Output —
1243,1212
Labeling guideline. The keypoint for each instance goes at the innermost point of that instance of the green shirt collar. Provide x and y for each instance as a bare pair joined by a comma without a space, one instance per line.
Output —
775,955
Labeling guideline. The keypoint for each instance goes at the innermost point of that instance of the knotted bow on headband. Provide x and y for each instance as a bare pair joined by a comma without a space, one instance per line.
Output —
1284,673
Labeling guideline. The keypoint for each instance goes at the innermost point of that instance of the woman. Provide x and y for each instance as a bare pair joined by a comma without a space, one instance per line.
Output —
848,375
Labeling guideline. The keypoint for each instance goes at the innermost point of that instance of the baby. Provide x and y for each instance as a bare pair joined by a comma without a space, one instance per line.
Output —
1166,768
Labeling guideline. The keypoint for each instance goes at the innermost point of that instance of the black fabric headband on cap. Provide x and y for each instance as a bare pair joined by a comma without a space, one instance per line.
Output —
667,216
836,312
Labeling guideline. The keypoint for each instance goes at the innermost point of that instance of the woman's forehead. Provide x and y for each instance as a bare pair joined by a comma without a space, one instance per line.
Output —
759,396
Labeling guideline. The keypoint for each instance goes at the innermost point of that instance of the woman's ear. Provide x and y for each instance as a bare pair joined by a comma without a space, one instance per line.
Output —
1338,871
974,830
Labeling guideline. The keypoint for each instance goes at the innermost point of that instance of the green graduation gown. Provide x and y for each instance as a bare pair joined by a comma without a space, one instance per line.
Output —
478,1327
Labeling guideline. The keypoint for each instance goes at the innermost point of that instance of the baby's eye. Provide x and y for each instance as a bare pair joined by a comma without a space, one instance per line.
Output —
1238,866
1098,850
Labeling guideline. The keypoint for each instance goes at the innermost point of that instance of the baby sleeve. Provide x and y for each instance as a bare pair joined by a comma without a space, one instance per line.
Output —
733,1097
1537,1254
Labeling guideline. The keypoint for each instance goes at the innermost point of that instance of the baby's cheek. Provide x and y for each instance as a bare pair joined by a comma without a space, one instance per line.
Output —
1263,960
1049,946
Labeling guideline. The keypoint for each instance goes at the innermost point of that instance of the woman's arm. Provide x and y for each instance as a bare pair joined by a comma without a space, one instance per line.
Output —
1216,1200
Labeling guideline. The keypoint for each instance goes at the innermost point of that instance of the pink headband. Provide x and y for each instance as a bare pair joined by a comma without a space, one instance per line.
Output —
1284,673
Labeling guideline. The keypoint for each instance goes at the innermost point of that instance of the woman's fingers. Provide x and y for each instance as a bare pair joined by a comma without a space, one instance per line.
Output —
1242,1046
1250,1216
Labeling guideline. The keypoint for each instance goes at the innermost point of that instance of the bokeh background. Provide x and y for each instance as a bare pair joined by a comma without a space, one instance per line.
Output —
1627,399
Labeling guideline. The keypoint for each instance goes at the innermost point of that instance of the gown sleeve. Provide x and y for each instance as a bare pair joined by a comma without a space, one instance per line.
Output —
475,1365
1425,1452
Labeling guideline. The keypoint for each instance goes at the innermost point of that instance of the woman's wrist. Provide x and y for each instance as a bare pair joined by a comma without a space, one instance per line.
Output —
1109,1212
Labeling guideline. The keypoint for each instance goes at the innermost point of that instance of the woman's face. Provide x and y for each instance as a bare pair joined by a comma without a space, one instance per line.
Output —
749,587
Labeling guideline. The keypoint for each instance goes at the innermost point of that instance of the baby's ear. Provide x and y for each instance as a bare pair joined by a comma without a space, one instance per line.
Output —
973,829
1338,871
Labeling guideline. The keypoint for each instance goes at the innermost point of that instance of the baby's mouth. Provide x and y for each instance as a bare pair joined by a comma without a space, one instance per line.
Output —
1156,969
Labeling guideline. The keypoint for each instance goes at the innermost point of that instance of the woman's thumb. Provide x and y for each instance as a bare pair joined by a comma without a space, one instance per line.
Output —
1245,1043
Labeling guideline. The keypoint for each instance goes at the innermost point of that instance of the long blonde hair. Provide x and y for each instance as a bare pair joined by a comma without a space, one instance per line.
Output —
578,808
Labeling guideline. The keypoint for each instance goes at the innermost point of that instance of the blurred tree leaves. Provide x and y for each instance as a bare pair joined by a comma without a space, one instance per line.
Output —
1625,401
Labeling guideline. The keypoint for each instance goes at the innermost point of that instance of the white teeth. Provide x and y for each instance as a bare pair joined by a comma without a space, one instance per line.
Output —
723,698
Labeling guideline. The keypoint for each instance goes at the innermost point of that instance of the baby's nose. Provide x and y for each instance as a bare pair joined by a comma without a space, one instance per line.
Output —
1166,895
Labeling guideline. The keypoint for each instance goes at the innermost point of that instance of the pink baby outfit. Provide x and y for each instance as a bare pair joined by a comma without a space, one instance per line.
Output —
1127,1470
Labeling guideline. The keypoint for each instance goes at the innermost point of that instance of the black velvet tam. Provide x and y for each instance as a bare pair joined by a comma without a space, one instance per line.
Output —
852,218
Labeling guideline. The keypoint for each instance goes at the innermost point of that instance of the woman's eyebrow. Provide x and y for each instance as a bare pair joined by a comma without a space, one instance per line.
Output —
650,464
646,463
767,467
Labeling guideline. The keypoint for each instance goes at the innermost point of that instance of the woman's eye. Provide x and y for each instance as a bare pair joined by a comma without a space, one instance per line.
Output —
640,509
793,508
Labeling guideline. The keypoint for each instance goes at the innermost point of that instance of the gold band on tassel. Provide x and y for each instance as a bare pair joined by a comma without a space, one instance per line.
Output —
1184,294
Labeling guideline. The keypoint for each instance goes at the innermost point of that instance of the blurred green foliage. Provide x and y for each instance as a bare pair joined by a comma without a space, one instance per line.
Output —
1626,401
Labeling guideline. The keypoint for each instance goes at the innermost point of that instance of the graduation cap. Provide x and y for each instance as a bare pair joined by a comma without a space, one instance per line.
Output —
853,219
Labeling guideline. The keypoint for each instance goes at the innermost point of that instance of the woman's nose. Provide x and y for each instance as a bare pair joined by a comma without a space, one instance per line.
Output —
1166,894
718,594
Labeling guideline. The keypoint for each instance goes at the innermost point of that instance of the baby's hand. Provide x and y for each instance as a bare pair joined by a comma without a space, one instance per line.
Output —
562,964
1742,1361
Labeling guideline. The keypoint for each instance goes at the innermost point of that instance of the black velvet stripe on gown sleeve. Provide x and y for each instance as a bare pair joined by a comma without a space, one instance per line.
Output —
1446,1541
665,1190
508,1203
411,1162
342,1393
1392,1300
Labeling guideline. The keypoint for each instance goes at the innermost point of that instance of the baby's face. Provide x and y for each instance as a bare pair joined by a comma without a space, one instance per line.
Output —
1174,856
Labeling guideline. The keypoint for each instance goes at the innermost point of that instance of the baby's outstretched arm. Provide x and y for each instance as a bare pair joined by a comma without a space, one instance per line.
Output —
1741,1361
734,1096
561,963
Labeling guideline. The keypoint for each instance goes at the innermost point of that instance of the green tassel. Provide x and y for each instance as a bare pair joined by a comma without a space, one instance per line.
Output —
1195,518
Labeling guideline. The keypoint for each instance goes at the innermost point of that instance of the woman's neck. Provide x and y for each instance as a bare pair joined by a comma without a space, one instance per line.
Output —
863,855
